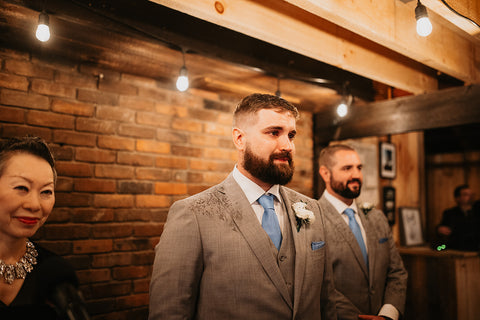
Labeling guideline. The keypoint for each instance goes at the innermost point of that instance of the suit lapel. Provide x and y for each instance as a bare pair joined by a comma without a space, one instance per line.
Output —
299,239
342,228
248,225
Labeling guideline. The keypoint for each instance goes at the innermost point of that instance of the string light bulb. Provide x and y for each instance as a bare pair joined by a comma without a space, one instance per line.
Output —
347,98
43,30
182,80
342,109
424,26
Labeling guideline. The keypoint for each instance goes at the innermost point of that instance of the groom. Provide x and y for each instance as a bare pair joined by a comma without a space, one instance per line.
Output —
238,250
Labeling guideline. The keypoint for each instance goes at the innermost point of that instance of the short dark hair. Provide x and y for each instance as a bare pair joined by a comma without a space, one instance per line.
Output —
255,102
458,190
327,153
32,145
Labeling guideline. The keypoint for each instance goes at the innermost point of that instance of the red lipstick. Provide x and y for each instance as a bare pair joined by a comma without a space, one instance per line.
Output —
27,220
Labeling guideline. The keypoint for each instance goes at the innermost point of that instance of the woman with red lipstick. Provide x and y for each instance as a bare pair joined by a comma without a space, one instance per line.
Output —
28,272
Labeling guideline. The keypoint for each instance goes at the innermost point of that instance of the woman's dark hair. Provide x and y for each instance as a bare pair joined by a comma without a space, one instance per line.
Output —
32,145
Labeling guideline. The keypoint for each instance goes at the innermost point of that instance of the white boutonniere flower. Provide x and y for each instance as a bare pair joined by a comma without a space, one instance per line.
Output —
302,215
366,207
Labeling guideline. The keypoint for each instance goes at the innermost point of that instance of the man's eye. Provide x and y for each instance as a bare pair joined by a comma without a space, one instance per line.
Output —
291,136
274,133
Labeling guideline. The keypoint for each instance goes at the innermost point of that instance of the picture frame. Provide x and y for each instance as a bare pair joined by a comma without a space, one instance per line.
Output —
388,160
410,226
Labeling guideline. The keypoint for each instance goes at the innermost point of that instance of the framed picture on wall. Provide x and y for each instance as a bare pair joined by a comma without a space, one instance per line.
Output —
410,226
388,160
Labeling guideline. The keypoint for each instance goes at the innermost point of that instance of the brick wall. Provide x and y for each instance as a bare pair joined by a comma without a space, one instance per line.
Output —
126,147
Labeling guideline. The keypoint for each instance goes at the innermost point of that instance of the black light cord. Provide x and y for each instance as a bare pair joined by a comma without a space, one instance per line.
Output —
461,15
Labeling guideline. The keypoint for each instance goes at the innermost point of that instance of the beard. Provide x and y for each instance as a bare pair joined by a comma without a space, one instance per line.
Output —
344,190
266,170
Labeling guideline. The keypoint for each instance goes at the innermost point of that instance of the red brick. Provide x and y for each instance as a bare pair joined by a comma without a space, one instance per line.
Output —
62,152
154,119
153,93
71,199
114,171
92,246
202,114
218,129
50,119
12,115
187,151
24,99
132,301
64,184
116,143
76,80
95,155
187,125
59,215
74,138
110,289
172,136
133,214
93,125
113,86
59,247
203,140
153,146
210,165
52,89
153,174
136,131
13,130
64,232
94,71
73,107
93,275
170,188
96,96
26,68
130,272
92,215
194,189
113,201
142,285
13,82
148,229
132,244
136,103
135,159
110,231
135,187
152,201
116,113
138,80
171,162
222,154
95,185
112,260
70,169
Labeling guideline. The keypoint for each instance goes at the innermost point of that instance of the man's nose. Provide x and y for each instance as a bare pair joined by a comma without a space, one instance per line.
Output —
286,143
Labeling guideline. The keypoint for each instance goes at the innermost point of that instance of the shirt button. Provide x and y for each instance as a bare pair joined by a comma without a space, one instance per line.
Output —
283,258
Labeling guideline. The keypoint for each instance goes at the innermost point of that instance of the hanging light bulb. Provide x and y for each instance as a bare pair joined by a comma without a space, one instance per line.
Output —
43,30
342,109
182,80
424,26
278,93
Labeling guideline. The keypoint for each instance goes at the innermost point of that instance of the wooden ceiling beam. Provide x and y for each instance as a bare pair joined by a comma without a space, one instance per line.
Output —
291,27
444,108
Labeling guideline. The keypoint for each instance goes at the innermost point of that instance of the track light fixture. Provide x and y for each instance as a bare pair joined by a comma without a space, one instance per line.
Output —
182,80
43,30
424,26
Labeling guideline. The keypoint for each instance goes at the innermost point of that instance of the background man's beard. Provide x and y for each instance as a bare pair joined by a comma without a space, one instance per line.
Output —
268,171
344,191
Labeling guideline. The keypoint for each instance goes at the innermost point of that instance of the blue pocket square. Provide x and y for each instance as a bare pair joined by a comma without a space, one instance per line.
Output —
317,245
382,240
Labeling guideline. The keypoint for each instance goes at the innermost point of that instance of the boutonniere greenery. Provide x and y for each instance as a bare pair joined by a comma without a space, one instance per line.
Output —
366,207
302,215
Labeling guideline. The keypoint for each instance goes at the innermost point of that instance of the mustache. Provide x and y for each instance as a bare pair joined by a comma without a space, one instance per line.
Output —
354,180
282,155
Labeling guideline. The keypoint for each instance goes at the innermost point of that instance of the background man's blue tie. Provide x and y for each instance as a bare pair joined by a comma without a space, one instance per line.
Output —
352,223
269,220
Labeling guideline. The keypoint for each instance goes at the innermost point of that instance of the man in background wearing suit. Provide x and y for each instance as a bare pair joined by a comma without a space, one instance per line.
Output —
248,248
370,279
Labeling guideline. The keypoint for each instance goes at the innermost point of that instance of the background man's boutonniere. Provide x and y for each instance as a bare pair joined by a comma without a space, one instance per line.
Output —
302,215
366,207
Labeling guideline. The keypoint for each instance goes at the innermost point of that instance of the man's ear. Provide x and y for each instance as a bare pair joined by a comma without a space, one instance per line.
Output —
238,136
324,173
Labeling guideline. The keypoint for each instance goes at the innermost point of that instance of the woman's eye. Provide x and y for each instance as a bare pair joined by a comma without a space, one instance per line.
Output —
21,188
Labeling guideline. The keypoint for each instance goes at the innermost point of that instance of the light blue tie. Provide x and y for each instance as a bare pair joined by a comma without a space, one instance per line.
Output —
270,221
352,223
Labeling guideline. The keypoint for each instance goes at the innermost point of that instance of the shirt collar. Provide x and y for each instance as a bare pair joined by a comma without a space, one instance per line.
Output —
252,190
339,205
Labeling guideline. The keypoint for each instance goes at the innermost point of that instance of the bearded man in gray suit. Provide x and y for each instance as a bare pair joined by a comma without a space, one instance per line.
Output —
369,275
248,248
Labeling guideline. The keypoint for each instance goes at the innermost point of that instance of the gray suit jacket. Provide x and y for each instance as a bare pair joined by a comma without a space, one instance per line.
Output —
362,291
214,261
